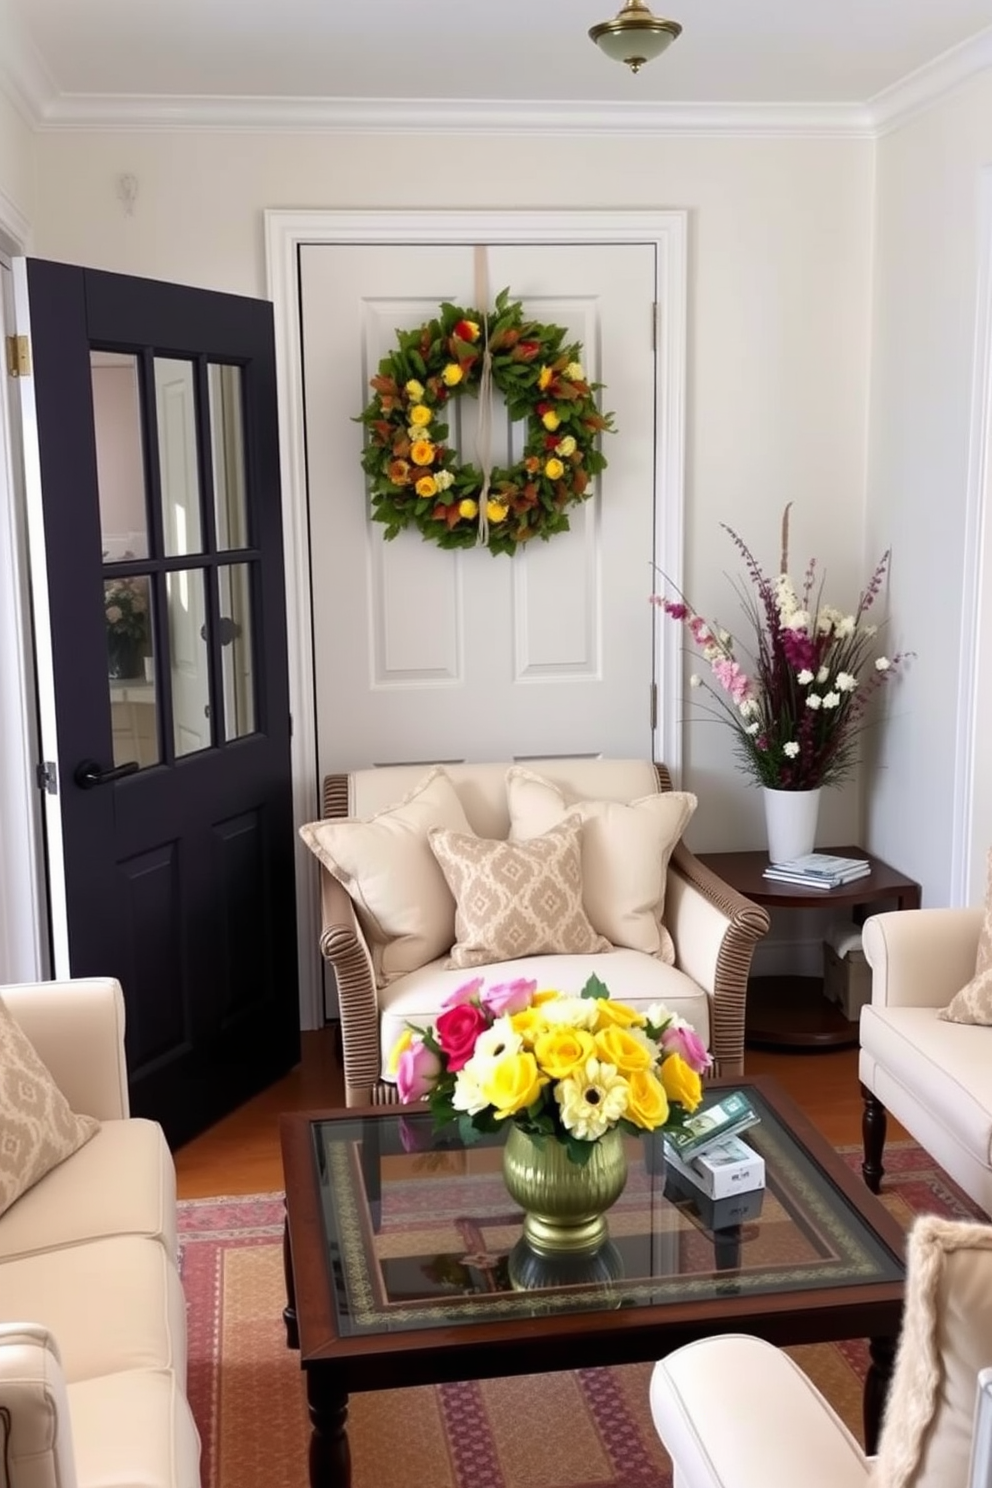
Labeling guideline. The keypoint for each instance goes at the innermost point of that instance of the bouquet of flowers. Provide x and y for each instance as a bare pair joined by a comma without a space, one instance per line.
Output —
125,608
798,699
570,1068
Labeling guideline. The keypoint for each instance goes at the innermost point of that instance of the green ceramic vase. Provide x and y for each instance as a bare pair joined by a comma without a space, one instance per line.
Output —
564,1204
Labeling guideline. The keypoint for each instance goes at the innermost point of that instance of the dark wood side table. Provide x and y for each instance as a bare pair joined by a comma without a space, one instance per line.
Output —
791,1012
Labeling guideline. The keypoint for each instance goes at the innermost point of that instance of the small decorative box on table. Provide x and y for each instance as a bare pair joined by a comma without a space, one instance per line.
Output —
791,1012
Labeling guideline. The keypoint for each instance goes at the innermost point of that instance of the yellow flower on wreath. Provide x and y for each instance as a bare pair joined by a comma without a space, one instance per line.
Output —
468,509
550,420
452,374
567,446
422,452
414,390
426,486
496,510
420,415
544,377
553,468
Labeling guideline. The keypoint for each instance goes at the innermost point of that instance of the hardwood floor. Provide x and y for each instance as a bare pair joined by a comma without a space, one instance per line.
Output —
241,1153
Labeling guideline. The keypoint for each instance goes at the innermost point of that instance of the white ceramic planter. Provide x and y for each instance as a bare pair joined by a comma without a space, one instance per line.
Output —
790,821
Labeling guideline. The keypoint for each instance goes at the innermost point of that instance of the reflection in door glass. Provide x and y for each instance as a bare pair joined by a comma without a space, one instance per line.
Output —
175,412
119,464
130,670
236,650
228,454
188,661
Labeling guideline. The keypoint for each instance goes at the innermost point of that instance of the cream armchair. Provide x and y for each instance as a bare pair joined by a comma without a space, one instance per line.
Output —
713,928
933,1076
735,1412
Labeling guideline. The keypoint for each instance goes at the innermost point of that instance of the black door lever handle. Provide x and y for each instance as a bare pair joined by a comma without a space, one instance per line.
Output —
88,773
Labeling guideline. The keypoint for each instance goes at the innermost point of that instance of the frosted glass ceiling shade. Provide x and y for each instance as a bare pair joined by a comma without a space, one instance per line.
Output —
635,36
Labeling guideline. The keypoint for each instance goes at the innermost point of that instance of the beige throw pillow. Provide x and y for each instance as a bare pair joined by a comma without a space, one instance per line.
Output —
973,1004
401,897
944,1342
37,1128
516,899
626,847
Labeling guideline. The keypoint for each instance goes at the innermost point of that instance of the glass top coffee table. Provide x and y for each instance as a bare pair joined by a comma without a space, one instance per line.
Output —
397,1247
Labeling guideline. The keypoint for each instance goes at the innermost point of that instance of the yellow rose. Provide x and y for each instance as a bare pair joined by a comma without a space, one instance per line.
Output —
617,1015
420,415
545,994
452,375
422,452
561,1050
426,486
514,1083
574,372
681,1082
402,1043
544,377
647,1104
496,511
550,420
553,469
414,390
529,1024
618,1047
468,508
567,446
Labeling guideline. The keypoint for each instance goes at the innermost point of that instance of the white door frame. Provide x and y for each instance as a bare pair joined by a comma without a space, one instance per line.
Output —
285,233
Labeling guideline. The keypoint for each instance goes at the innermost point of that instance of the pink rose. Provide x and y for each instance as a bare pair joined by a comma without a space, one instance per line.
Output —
457,1030
468,992
508,997
417,1071
686,1041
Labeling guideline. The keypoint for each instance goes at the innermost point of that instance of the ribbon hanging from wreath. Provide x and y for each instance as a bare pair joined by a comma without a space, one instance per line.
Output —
417,480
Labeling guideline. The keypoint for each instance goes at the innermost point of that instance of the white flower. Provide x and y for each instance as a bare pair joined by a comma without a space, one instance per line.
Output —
826,618
797,620
712,652
659,1016
494,1042
822,675
695,680
468,1094
791,749
725,637
805,677
753,728
592,1100
846,682
747,706
845,627
814,700
444,479
570,1012
832,700
574,372
882,664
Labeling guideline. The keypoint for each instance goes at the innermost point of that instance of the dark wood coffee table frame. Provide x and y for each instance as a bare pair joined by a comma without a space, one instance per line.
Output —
336,1366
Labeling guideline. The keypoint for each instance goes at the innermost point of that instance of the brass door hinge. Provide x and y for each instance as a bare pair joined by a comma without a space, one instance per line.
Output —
18,356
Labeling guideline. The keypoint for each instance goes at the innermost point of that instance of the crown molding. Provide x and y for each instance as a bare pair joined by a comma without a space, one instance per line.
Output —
31,88
914,94
413,116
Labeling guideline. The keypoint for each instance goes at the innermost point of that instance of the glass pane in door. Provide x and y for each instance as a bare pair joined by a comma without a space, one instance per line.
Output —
179,469
228,455
119,459
130,669
236,650
191,725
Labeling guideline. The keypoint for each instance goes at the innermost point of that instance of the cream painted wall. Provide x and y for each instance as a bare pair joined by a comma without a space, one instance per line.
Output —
779,289
926,231
16,162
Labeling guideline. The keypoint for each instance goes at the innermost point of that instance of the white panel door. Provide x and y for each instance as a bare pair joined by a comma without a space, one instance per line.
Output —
424,654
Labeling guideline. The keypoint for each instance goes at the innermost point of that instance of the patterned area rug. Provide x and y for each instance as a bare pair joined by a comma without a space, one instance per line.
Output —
588,1429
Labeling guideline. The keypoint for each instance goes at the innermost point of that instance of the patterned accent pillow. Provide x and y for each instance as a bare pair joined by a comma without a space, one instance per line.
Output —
37,1128
626,847
973,1004
400,895
516,898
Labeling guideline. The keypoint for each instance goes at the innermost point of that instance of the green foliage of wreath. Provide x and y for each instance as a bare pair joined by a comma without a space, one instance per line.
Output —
417,480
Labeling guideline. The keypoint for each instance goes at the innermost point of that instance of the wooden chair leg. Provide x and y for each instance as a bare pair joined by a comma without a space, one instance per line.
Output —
874,1124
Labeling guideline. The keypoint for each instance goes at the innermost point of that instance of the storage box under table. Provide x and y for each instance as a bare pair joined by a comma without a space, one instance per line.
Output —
846,979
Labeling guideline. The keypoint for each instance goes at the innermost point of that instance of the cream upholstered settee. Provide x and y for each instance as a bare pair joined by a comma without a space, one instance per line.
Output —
92,1314
712,928
931,1074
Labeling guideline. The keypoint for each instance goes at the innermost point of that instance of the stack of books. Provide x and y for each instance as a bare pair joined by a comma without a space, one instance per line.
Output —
818,871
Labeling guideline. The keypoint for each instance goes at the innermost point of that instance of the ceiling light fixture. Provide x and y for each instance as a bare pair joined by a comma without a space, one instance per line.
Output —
635,36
